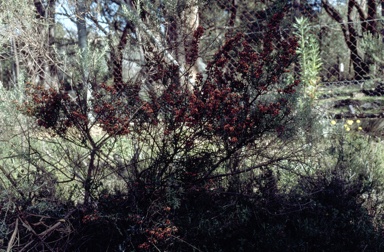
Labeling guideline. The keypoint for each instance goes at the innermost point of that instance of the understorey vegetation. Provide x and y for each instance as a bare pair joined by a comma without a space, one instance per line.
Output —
233,160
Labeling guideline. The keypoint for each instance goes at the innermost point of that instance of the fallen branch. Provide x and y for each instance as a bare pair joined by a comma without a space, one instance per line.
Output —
13,237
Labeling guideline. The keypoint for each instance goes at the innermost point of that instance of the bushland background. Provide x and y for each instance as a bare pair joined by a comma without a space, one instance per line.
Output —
191,125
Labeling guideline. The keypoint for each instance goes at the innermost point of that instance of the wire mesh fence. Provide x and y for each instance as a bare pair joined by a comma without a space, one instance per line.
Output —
130,45
349,35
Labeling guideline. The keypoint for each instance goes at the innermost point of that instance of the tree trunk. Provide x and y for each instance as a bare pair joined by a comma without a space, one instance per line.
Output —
46,67
371,18
88,182
15,64
117,56
82,37
179,31
52,63
189,26
361,68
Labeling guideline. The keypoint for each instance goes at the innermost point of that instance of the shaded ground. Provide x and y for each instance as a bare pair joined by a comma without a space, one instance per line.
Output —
355,100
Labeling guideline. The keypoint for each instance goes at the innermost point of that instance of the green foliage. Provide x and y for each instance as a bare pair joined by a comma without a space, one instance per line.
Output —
373,47
332,208
309,57
234,164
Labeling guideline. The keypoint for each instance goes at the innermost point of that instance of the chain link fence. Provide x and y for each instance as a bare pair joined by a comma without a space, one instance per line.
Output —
348,34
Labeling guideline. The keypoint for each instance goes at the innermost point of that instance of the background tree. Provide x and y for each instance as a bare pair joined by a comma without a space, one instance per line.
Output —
197,137
350,32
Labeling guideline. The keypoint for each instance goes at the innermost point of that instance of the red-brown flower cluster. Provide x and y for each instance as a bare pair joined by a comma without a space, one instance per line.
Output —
242,95
242,91
114,109
157,235
91,217
192,51
243,88
53,109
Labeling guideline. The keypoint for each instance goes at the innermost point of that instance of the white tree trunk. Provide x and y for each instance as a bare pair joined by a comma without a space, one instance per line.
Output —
188,24
82,37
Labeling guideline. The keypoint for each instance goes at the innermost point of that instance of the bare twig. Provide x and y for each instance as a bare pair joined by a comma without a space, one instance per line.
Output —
13,237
